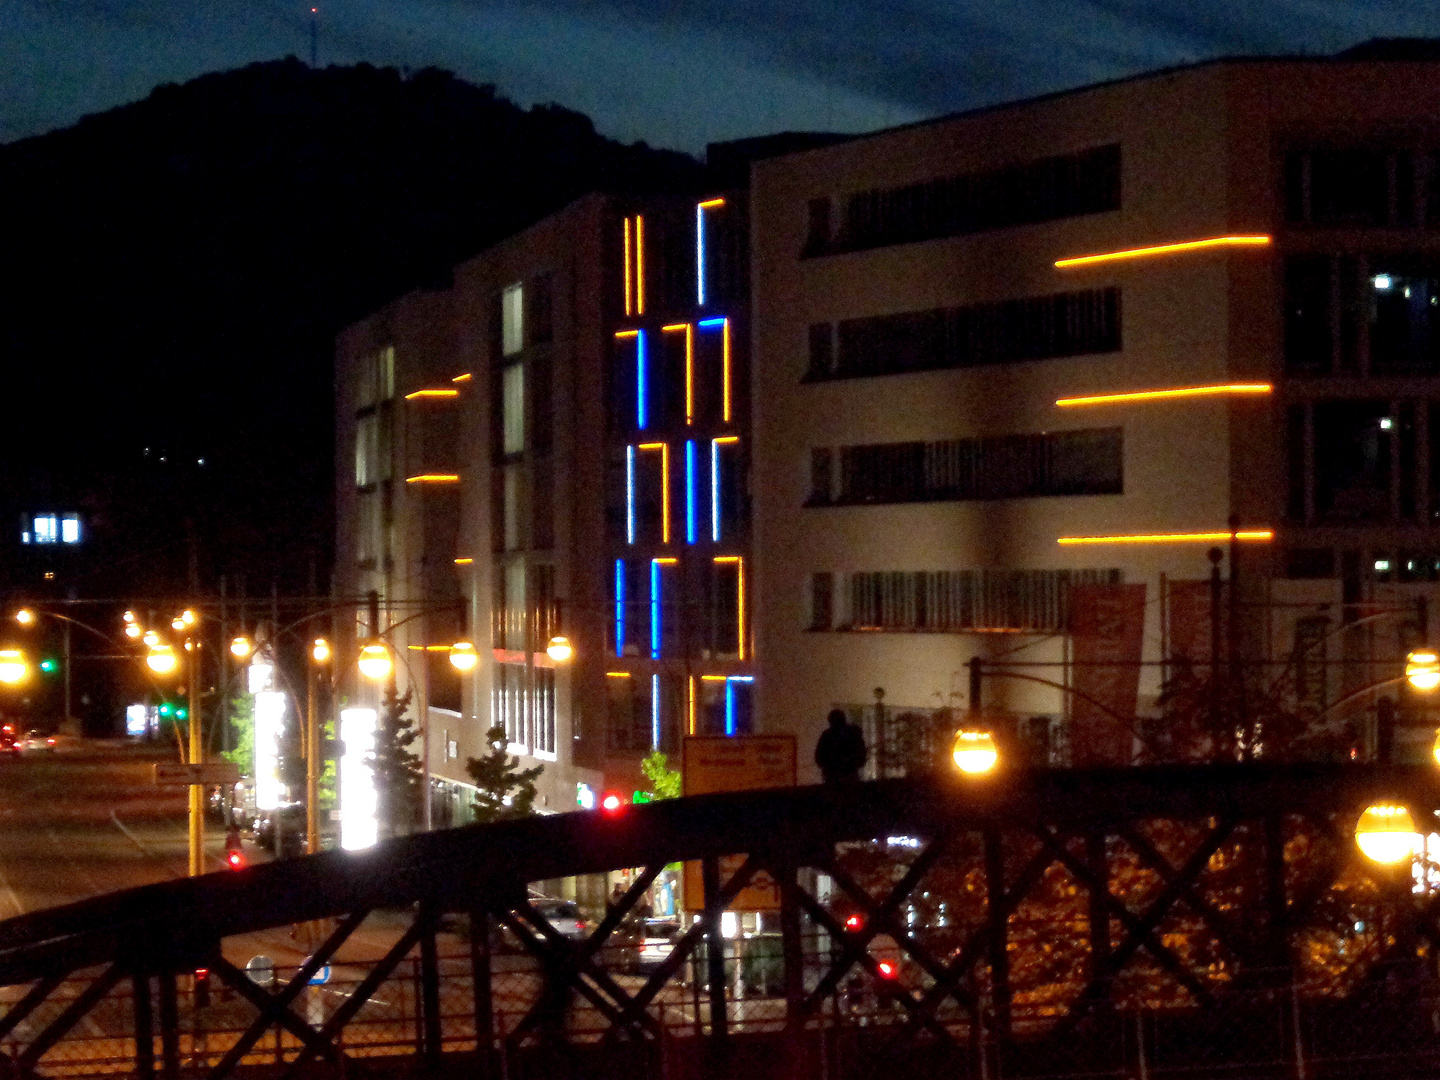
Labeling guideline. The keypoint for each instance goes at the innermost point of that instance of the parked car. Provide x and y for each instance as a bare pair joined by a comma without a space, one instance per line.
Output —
37,741
286,820
564,916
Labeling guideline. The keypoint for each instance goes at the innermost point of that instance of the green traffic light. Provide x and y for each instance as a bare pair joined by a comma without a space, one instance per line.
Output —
165,710
180,714
48,665
641,797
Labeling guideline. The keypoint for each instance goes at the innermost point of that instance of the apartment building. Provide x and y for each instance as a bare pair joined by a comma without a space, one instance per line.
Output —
556,447
1018,370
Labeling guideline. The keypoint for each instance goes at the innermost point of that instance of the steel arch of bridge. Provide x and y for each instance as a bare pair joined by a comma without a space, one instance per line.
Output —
1039,922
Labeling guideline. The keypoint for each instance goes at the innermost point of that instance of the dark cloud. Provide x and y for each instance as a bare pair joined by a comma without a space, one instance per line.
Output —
678,73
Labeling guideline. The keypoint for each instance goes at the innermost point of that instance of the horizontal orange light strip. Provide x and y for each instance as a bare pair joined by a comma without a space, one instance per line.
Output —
627,333
1172,538
617,674
667,561
1157,395
463,378
711,202
432,394
434,478
676,326
714,678
1163,249
650,446
728,439
463,562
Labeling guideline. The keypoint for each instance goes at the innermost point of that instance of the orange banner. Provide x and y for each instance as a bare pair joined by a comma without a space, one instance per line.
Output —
1107,627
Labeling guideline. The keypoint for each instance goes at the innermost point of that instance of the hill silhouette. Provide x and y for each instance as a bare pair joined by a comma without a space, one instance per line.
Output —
176,269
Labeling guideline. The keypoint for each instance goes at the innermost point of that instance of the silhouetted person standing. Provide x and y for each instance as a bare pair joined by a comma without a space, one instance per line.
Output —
841,752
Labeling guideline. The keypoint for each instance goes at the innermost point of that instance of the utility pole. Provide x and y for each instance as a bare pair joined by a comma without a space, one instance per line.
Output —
197,752
312,756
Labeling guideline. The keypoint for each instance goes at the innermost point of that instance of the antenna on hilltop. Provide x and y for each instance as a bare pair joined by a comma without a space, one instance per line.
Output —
314,37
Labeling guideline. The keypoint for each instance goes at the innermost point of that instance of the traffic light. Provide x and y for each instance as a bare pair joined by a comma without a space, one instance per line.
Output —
202,988
49,665
165,709
642,797
180,712
854,924
612,802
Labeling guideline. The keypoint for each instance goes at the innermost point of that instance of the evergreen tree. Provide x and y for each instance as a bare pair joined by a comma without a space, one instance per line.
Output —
399,778
506,791
664,781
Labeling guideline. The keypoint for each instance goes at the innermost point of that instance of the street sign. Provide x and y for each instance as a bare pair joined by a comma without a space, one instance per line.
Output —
261,970
321,977
174,774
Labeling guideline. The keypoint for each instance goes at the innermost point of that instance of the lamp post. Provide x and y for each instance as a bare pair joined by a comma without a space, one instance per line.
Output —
319,657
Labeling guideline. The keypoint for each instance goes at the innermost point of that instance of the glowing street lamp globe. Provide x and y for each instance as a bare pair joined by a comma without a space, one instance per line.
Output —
375,662
464,656
25,617
132,630
1435,749
241,647
161,660
152,639
320,651
975,752
1422,669
13,667
1386,834
560,650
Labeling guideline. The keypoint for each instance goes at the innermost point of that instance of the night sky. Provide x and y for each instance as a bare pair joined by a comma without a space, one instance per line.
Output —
676,73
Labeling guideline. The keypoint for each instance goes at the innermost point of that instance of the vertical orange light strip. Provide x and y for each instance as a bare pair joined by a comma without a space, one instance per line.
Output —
739,599
725,352
664,449
639,265
690,727
689,329
629,306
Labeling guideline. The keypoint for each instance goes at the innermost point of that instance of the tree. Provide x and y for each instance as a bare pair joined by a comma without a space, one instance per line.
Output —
399,778
242,720
505,790
664,781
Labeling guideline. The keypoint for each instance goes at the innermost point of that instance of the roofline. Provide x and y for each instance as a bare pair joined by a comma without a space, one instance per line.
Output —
1105,84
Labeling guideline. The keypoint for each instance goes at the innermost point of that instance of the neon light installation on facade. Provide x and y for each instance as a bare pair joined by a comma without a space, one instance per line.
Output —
1216,390
689,366
1163,249
700,208
1251,535
619,607
725,394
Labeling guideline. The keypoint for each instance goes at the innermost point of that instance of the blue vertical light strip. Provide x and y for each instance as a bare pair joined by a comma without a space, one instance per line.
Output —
630,494
654,609
715,490
655,711
729,707
619,607
700,254
690,491
642,405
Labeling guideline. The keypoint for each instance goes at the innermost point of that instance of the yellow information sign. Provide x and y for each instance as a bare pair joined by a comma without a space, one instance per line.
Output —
711,763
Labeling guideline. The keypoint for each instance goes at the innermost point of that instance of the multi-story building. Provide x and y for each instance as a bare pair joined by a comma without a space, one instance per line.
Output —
960,327
557,447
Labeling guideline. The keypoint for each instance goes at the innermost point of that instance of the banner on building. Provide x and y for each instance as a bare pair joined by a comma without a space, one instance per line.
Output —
1188,621
737,763
1107,628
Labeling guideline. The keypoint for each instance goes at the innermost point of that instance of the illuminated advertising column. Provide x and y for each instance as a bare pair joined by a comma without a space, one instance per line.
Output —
269,726
359,802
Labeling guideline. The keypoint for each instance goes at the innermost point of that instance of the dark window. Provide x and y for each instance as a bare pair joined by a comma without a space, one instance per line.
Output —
1434,409
542,313
1353,459
1295,462
1408,446
1307,314
541,391
1037,328
1310,563
443,688
1088,462
817,234
822,598
1047,190
821,475
961,600
822,351
1404,317
628,720
1354,187
542,503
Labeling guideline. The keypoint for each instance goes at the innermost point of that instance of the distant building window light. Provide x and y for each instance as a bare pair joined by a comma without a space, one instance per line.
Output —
47,529
1382,565
25,538
1382,282
512,326
70,530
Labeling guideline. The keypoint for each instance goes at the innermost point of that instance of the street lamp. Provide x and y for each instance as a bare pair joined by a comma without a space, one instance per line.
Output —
13,667
1422,669
560,650
463,656
320,651
974,751
1386,834
132,630
375,662
240,648
25,617
162,659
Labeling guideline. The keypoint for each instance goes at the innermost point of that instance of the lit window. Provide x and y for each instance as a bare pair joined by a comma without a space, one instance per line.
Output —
513,406
70,529
512,320
1382,565
47,529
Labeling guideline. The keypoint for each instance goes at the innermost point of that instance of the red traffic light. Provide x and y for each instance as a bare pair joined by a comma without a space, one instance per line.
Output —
235,860
854,923
612,802
887,969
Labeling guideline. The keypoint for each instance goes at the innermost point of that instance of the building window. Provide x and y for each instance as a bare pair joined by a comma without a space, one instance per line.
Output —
1035,328
544,733
822,351
822,600
512,404
46,529
628,713
1046,190
512,320
1404,316
69,529
1354,455
1308,338
1350,187
817,232
958,601
1084,462
508,705
822,472
542,312
376,378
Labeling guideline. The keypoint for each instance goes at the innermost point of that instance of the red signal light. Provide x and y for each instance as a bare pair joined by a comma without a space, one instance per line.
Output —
611,802
887,969
235,860
854,923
